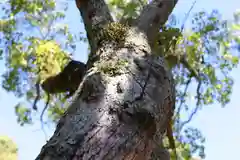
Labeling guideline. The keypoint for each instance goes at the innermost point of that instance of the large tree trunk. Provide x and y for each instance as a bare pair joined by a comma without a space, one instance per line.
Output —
121,107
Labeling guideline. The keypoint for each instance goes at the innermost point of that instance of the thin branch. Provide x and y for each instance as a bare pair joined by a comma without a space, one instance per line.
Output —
184,94
154,15
199,79
189,80
197,107
48,29
37,95
95,15
189,118
42,114
44,109
186,17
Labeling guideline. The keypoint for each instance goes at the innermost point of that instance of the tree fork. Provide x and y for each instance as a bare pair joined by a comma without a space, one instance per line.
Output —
107,119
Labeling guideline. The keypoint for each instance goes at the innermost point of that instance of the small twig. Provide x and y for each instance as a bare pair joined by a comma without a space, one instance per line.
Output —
195,109
41,116
180,107
38,95
184,94
37,86
45,107
185,19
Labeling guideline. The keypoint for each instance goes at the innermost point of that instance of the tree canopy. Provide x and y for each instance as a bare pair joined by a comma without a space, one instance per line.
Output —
36,36
8,149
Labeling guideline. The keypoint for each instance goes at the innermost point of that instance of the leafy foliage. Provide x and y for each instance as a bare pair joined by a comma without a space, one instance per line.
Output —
8,149
34,55
126,9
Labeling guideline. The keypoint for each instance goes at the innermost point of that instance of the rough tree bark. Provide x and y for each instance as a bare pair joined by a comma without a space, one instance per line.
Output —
120,113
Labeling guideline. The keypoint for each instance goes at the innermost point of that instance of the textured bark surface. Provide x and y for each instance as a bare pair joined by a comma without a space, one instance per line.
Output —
118,116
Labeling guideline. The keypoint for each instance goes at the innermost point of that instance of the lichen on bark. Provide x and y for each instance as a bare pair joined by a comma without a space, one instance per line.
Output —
112,33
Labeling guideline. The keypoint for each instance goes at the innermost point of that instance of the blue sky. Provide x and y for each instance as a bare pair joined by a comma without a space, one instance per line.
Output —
221,126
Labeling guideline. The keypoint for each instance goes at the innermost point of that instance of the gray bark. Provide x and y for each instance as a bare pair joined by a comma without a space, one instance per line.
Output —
122,115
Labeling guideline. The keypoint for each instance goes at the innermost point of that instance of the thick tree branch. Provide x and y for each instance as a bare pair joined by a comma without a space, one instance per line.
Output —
154,15
95,15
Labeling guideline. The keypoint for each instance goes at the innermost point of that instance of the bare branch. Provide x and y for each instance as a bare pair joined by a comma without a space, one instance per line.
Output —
194,111
184,94
189,118
186,17
154,15
95,15
41,116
